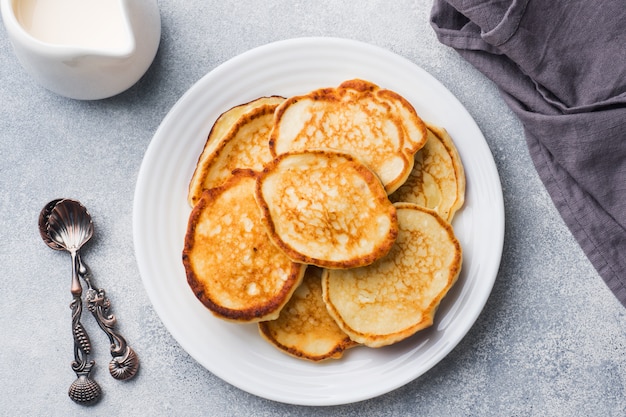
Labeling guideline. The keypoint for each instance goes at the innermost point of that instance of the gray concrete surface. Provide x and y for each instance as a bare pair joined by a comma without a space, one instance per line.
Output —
551,340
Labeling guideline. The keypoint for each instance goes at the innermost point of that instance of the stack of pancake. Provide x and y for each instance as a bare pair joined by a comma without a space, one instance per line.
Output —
325,218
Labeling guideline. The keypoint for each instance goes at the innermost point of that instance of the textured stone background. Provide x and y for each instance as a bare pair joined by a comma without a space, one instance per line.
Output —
551,340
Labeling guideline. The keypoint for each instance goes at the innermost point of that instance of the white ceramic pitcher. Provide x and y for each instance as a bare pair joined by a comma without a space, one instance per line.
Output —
71,66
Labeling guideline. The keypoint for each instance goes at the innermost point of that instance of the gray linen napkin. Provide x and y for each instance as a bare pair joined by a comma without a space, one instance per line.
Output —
561,67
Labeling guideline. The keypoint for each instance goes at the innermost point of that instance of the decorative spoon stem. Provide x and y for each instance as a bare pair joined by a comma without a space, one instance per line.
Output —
83,390
125,362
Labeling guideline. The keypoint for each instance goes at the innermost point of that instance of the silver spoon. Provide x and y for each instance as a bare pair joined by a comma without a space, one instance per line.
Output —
125,362
63,228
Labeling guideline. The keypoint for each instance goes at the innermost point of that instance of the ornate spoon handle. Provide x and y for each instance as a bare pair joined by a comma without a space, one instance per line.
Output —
125,362
83,390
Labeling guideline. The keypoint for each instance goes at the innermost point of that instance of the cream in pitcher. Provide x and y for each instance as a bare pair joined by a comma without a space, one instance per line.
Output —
84,49
86,23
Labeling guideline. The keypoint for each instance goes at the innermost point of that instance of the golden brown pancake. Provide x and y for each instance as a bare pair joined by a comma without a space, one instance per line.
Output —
238,140
438,178
326,208
390,300
355,118
413,127
304,328
231,265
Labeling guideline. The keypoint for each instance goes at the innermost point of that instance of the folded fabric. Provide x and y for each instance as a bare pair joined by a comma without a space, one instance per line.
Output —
561,67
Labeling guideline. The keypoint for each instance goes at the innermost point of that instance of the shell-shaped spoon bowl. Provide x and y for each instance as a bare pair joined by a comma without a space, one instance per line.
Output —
69,225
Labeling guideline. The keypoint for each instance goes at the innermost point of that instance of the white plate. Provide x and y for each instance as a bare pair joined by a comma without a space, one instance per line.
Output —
236,353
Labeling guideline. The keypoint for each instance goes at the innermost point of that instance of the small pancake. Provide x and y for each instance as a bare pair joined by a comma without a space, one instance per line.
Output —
238,140
390,300
438,178
414,128
304,328
354,119
231,265
326,208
